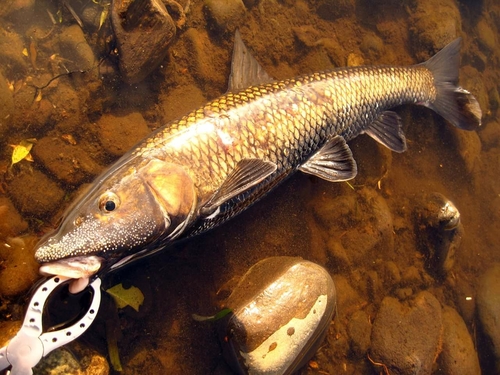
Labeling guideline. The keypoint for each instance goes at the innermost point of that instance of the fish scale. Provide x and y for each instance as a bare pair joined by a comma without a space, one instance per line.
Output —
286,121
197,172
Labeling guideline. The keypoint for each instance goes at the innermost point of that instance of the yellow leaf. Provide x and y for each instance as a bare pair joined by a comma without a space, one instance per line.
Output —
132,297
21,151
104,15
25,52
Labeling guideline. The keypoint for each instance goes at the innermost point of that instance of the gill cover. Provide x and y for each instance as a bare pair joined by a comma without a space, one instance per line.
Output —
129,211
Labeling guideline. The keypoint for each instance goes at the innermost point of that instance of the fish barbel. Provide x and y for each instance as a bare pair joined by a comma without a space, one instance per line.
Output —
197,172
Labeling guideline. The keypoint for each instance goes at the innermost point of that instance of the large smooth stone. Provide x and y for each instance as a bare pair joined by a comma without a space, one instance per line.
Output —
458,356
488,307
406,337
281,311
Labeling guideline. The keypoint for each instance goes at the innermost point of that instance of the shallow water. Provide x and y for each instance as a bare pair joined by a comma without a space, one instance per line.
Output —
72,100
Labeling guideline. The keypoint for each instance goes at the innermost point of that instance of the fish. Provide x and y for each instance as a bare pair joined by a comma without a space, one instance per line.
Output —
197,172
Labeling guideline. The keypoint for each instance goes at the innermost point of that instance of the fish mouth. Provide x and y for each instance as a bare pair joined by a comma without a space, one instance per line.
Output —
80,267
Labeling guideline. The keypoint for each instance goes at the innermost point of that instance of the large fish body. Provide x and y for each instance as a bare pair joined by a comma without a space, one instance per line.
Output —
211,164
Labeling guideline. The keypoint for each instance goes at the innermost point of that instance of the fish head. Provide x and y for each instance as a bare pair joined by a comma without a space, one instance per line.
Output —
130,211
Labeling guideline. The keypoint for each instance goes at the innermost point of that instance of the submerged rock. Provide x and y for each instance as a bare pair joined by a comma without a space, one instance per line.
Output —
67,162
359,330
143,31
11,52
21,269
6,106
12,224
118,134
406,337
226,14
280,313
34,194
488,306
434,24
439,231
458,355
75,49
61,361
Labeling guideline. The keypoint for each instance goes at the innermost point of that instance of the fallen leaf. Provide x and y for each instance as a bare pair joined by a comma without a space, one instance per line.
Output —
132,296
221,314
21,151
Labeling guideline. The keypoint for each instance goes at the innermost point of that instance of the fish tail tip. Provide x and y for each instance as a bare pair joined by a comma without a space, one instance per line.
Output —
452,102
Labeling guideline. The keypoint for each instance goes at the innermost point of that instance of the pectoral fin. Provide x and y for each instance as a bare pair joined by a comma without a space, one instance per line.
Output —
248,173
333,162
386,129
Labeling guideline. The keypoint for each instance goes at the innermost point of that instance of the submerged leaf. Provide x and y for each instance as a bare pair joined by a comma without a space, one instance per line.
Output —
221,314
21,151
132,297
104,15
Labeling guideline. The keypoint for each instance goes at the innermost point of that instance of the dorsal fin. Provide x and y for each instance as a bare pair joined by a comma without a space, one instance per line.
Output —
245,70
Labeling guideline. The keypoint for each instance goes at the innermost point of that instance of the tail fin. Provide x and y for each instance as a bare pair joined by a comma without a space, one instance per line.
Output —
455,104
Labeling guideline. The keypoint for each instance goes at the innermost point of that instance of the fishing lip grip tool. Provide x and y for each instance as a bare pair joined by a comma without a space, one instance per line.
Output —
31,344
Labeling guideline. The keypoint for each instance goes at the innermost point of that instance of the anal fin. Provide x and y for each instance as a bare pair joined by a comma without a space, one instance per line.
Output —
333,162
246,174
387,130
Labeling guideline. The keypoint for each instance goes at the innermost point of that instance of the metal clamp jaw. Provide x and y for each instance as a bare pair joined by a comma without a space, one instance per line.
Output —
31,344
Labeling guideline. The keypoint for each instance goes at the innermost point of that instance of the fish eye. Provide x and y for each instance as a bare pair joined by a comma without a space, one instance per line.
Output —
108,202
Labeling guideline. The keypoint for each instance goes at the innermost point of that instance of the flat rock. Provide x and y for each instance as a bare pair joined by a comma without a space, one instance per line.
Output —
225,14
490,135
486,35
118,134
20,270
75,49
12,223
458,356
33,193
68,163
143,30
6,106
434,24
11,52
488,306
359,330
406,337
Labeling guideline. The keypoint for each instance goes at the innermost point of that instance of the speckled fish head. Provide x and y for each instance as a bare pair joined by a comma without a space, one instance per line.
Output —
128,213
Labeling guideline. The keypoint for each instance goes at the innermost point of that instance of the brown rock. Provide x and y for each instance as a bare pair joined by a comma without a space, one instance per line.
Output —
181,100
225,14
406,338
33,193
433,25
143,30
488,306
12,223
490,135
8,329
68,163
359,329
459,355
118,134
11,52
20,268
75,49
6,106
204,59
